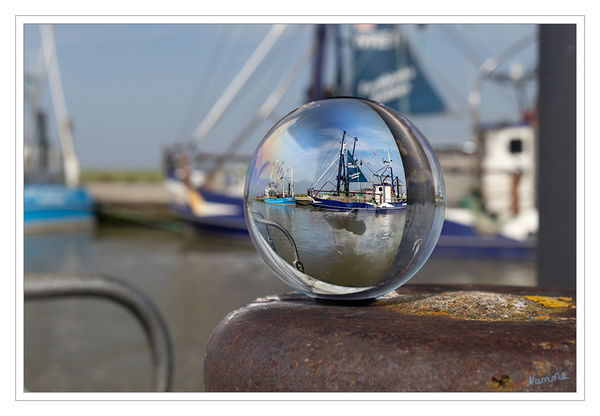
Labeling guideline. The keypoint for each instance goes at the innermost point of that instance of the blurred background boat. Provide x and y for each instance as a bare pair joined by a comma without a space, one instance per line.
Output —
53,199
490,187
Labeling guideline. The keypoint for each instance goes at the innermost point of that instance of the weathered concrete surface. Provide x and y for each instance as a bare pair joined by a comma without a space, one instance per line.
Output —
420,338
129,193
134,203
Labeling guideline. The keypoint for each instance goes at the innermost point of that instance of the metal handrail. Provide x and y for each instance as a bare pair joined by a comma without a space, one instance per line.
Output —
43,286
297,263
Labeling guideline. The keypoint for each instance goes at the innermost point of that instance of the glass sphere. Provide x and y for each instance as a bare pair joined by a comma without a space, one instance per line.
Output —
344,199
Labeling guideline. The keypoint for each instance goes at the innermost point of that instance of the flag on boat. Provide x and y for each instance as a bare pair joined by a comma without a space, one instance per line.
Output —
386,71
353,171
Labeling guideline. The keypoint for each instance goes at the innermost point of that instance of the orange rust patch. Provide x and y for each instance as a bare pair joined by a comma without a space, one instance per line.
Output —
549,302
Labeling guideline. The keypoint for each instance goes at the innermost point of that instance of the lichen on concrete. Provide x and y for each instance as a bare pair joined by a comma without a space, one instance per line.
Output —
477,305
550,302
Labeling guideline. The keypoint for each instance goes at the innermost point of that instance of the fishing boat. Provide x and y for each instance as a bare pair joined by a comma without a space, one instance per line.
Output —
386,69
383,195
53,198
280,189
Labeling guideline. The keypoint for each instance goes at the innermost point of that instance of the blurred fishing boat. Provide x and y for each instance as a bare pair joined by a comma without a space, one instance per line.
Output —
499,217
53,198
496,216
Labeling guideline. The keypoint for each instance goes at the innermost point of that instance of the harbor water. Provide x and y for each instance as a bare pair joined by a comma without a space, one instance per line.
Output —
194,279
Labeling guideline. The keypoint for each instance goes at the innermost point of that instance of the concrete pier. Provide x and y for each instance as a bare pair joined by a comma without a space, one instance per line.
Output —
431,338
136,203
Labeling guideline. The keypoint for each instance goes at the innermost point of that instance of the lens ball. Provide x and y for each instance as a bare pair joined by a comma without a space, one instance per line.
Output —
344,199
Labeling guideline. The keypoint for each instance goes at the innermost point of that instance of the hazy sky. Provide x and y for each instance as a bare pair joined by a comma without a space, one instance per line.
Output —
133,89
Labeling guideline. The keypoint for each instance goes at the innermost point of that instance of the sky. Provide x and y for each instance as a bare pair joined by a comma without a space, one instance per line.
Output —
131,90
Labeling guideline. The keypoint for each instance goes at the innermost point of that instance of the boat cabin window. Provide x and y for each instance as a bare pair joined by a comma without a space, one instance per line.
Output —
516,145
380,188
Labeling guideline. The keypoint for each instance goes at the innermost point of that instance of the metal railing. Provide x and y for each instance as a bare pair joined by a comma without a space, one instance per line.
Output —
44,286
261,220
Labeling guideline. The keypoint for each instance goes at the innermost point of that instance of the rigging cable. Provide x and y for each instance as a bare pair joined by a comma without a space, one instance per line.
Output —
328,156
204,88
238,82
283,50
266,109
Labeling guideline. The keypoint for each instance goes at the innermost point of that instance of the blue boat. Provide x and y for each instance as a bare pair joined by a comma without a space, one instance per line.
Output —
53,199
280,189
207,210
283,201
56,207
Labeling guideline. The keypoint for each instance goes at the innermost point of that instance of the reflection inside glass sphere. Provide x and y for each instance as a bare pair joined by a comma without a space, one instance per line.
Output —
344,199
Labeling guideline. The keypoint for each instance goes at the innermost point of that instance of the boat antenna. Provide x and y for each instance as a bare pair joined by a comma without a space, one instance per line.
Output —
70,162
391,169
354,146
238,82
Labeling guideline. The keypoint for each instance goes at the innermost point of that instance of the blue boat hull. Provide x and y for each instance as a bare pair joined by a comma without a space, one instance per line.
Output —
233,222
55,207
287,201
461,240
349,206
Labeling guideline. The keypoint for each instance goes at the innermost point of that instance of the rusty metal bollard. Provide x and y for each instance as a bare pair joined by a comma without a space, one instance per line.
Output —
419,338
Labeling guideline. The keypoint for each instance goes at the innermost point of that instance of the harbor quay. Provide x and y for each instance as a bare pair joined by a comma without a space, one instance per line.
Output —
144,202
422,337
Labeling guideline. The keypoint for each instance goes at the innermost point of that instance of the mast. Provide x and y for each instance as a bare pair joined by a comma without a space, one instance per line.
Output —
341,165
338,60
70,162
42,139
315,92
